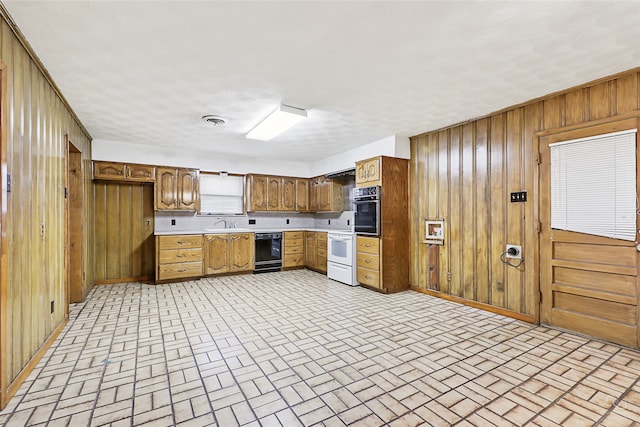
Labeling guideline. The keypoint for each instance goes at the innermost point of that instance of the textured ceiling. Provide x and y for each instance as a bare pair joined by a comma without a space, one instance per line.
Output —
145,72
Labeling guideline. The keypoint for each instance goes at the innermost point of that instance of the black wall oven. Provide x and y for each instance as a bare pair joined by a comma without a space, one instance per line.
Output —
367,210
268,255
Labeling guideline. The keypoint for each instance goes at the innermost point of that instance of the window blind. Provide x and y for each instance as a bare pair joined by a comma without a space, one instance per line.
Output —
593,185
220,194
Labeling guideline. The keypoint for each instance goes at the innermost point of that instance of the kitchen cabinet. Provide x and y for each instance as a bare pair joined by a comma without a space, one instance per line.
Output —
368,172
289,194
177,189
256,193
315,251
368,261
302,195
126,172
385,265
293,249
228,253
325,195
179,257
274,193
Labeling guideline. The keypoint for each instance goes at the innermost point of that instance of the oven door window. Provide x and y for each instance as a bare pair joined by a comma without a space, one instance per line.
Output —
339,248
366,217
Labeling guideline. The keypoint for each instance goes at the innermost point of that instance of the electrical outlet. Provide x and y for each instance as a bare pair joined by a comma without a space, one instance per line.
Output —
328,222
287,220
252,222
513,251
53,305
500,286
173,222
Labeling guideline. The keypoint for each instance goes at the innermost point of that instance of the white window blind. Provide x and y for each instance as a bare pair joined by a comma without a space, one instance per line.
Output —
593,185
221,194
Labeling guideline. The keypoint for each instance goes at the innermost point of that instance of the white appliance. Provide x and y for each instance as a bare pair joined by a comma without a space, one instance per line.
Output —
340,257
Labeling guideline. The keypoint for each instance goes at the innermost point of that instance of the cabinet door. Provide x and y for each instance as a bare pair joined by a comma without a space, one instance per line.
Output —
216,254
274,193
302,194
313,195
166,189
241,248
288,194
188,193
109,170
324,195
361,173
373,171
141,173
310,249
257,193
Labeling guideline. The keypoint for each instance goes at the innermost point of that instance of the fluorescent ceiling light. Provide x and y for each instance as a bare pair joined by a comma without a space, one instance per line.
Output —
277,122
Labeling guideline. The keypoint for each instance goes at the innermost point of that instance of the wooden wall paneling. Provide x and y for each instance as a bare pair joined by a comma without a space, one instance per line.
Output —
600,101
125,229
112,232
627,93
468,209
432,210
442,252
515,217
532,123
76,224
415,225
136,258
482,211
553,117
423,197
498,208
100,203
574,109
455,242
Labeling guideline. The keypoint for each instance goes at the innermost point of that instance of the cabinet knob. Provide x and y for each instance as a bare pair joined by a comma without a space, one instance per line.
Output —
367,261
367,245
367,277
181,271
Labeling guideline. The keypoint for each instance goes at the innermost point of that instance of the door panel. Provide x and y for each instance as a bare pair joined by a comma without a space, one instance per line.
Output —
588,283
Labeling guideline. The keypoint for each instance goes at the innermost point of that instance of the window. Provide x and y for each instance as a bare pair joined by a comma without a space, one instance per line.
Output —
221,194
593,185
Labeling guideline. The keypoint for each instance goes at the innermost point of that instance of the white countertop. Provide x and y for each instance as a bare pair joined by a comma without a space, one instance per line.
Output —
248,230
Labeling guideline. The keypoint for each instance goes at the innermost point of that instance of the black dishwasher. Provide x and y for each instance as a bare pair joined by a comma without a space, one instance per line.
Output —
268,255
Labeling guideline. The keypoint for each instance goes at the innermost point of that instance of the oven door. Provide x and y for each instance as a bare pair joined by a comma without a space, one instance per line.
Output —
340,249
367,217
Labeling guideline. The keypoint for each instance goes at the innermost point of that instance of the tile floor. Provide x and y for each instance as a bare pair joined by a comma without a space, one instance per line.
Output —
294,348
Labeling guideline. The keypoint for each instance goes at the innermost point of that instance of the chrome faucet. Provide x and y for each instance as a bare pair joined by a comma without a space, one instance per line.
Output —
219,221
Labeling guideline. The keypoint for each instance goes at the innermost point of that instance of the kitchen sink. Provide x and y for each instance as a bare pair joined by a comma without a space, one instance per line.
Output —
226,230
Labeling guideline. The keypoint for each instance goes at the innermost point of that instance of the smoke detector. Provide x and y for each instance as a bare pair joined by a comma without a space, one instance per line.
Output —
214,120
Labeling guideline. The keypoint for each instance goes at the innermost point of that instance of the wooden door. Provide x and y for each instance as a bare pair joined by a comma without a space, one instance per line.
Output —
75,225
289,194
274,193
257,193
124,222
302,194
241,248
188,193
166,189
588,283
216,254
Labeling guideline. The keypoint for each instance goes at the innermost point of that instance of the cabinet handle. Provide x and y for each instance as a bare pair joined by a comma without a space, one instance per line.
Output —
367,261
181,256
181,271
367,245
181,242
367,277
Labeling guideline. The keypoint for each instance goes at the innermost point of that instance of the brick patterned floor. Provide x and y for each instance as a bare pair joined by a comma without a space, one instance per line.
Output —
294,348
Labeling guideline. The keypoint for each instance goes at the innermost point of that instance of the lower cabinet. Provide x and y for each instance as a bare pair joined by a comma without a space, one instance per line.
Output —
368,261
315,250
293,249
228,253
178,257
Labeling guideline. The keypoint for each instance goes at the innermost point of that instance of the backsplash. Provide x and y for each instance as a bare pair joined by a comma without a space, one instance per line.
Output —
188,221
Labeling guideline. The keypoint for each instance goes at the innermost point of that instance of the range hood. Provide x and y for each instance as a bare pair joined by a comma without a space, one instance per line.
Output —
346,173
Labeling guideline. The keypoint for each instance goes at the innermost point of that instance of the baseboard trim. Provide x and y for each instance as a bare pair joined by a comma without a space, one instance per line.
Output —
125,280
30,366
482,306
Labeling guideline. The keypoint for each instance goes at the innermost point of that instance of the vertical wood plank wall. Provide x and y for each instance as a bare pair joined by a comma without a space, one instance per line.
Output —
124,241
465,173
36,123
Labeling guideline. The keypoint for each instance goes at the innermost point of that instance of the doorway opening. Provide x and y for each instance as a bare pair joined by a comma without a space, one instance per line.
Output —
75,225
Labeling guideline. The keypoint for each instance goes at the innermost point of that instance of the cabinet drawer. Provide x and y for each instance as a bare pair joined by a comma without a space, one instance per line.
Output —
370,261
293,242
293,250
180,242
368,277
172,256
293,260
322,237
293,235
322,253
368,245
180,270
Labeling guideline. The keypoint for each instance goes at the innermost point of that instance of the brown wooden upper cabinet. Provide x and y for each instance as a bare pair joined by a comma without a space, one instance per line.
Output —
368,172
274,193
177,189
325,195
302,195
289,194
114,171
256,193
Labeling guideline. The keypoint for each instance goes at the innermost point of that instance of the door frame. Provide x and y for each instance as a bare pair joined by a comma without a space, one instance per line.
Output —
74,208
4,380
606,125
